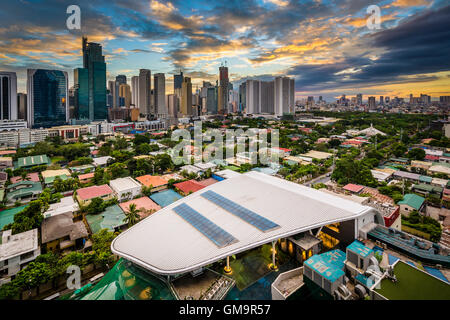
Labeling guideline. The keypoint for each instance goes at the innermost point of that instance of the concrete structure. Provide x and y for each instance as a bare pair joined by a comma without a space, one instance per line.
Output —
183,248
16,251
284,95
125,188
66,205
8,96
145,206
157,183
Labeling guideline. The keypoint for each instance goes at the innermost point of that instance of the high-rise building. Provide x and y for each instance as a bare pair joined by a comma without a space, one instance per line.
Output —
186,97
159,85
135,91
94,63
242,96
252,97
444,99
223,89
22,106
48,93
125,94
284,95
266,97
121,79
172,105
145,85
8,95
359,98
381,100
81,93
177,82
372,104
113,87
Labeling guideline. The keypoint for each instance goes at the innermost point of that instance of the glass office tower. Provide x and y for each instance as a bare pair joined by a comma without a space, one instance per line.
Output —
47,98
93,77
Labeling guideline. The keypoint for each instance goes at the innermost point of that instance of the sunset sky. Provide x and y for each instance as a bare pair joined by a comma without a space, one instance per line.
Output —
324,44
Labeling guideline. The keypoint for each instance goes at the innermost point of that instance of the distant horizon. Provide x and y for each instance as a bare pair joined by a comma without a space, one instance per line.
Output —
326,47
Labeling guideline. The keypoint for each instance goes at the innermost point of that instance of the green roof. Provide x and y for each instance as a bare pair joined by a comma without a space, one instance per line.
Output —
428,188
51,179
33,161
35,187
7,216
425,179
109,219
412,200
413,284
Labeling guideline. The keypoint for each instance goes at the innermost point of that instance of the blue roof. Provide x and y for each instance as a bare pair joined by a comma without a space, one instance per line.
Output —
360,249
329,265
166,197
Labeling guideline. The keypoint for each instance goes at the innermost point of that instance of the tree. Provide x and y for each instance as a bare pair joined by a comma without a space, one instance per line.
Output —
132,215
29,218
416,154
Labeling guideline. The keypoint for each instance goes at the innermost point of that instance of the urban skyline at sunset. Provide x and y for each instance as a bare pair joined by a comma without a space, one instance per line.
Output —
325,46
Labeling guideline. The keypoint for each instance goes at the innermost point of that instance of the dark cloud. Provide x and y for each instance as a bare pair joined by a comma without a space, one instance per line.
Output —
419,45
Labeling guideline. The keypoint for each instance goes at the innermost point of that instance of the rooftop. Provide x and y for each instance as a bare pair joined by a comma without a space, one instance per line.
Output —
101,161
412,200
60,226
67,204
55,173
293,208
93,192
154,181
189,186
360,249
145,204
166,197
122,184
17,244
353,187
329,265
7,216
110,219
33,176
33,161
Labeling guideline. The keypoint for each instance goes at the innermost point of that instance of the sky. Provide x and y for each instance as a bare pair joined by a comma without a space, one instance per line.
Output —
324,44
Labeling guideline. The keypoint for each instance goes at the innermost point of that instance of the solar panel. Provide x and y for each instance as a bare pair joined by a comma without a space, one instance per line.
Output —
251,217
212,231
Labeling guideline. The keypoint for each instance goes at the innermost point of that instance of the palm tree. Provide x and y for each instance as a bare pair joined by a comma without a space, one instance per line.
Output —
132,216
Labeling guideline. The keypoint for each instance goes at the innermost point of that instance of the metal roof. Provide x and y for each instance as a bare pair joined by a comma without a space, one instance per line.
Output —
166,244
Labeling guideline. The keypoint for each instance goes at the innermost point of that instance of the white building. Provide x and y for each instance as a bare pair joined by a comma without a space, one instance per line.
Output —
280,209
101,161
125,188
8,95
67,204
17,250
284,95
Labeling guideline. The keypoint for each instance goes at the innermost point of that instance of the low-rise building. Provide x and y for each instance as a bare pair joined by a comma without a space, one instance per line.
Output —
101,161
85,195
60,232
144,204
125,188
49,176
65,205
16,251
6,162
188,187
86,177
32,161
156,183
410,203
23,191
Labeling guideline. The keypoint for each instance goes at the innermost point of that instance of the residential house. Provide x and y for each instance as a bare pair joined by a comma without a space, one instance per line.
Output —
156,183
23,191
85,195
410,203
125,188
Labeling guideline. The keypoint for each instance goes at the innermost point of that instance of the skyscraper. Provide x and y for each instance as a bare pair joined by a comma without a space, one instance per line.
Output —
22,106
381,100
242,96
284,95
359,99
223,89
48,93
145,85
81,93
94,62
8,95
121,79
159,85
186,97
266,96
177,82
252,97
125,94
135,91
372,103
113,87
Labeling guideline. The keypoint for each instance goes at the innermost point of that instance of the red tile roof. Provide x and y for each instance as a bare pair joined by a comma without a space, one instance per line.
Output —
86,176
189,186
285,149
145,204
93,192
208,182
431,157
34,176
154,181
353,187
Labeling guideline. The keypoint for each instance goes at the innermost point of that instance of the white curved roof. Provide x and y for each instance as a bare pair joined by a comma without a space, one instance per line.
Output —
166,244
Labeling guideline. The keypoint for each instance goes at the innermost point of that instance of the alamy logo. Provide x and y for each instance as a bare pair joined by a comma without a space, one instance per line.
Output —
74,280
73,22
373,22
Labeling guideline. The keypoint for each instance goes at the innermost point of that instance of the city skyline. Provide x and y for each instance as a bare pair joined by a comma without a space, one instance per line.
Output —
325,46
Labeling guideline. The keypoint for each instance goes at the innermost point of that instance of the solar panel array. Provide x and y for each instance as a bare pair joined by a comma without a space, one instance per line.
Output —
251,217
212,231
